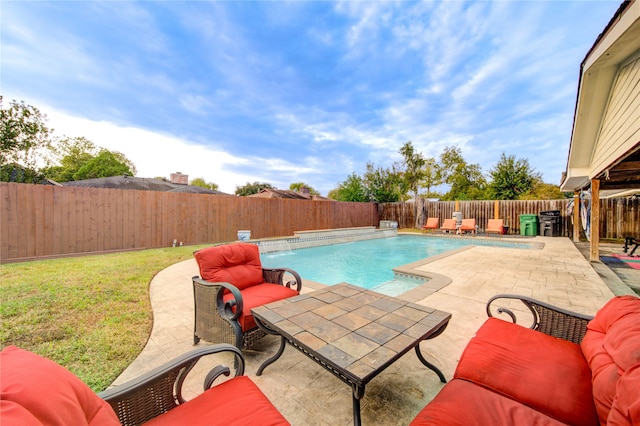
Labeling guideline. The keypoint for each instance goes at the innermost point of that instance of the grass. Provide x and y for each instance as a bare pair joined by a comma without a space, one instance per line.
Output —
91,314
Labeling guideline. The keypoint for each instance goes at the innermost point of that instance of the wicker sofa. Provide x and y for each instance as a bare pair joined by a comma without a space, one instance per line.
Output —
37,391
566,369
232,281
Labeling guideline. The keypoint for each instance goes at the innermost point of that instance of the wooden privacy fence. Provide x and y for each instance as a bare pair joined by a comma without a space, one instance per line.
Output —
47,221
619,217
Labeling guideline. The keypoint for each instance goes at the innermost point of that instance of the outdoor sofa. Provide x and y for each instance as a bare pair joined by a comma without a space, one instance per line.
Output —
232,281
37,391
567,369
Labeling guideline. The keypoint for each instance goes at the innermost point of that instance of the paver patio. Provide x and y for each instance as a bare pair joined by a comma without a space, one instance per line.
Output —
306,394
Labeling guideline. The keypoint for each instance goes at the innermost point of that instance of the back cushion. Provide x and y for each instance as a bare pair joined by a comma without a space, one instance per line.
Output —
612,347
237,263
36,390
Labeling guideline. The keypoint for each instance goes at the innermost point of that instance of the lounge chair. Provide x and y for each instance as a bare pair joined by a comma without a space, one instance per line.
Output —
468,225
495,225
232,282
449,225
432,223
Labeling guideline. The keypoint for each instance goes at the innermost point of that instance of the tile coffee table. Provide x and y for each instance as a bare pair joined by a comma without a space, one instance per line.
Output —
352,332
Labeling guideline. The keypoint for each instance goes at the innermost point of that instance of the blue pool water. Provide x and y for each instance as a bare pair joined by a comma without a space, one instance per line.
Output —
369,263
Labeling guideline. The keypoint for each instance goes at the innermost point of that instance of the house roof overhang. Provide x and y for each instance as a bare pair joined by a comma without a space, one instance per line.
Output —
618,43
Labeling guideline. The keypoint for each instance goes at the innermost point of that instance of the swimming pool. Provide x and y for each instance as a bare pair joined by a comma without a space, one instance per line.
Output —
369,264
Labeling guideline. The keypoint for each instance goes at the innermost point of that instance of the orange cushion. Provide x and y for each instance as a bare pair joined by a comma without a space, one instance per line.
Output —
625,410
36,390
463,403
238,264
235,402
259,295
546,373
611,347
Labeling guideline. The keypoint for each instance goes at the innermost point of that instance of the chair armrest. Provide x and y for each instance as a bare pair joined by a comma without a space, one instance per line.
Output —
225,308
160,390
546,318
276,276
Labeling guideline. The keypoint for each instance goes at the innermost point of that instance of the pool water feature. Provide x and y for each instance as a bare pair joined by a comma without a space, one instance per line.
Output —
369,264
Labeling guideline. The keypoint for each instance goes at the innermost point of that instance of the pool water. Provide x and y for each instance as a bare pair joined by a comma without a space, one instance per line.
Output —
369,264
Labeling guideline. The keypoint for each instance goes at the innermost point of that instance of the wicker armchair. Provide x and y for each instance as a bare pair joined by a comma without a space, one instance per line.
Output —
223,305
36,390
545,318
160,390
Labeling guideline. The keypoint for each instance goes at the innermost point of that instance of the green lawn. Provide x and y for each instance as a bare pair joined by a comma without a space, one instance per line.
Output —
90,314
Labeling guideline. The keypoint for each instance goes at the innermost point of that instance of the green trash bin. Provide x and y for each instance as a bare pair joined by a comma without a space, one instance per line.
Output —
528,224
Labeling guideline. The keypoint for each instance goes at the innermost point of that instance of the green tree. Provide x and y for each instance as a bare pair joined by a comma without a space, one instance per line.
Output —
381,185
431,176
352,189
69,154
79,158
203,184
414,172
545,191
511,178
297,186
465,180
105,164
23,134
252,188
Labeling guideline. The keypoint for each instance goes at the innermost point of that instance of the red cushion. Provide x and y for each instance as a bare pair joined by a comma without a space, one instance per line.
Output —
546,373
234,402
238,264
463,403
625,410
259,295
611,347
37,390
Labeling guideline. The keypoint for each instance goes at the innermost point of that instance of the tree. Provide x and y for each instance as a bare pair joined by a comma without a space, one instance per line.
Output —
297,186
79,158
545,191
431,176
352,189
511,178
105,164
466,180
414,164
252,188
203,184
381,185
22,134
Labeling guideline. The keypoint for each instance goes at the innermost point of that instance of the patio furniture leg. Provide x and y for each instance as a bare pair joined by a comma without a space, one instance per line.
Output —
273,358
429,365
358,393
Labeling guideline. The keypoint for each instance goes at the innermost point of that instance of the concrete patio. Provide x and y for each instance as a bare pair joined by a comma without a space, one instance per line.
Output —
306,394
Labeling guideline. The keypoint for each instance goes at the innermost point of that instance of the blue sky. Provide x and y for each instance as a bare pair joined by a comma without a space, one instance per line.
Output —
282,92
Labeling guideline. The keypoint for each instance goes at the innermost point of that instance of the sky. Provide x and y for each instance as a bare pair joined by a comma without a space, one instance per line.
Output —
303,91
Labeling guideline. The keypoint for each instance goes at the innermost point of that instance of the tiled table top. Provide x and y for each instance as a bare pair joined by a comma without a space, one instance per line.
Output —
356,331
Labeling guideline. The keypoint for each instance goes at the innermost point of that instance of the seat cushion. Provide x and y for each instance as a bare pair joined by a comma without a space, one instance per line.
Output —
546,373
462,403
259,295
612,347
235,402
36,390
237,263
625,410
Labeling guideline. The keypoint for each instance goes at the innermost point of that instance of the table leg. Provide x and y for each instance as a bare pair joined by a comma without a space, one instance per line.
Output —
273,358
357,394
429,365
